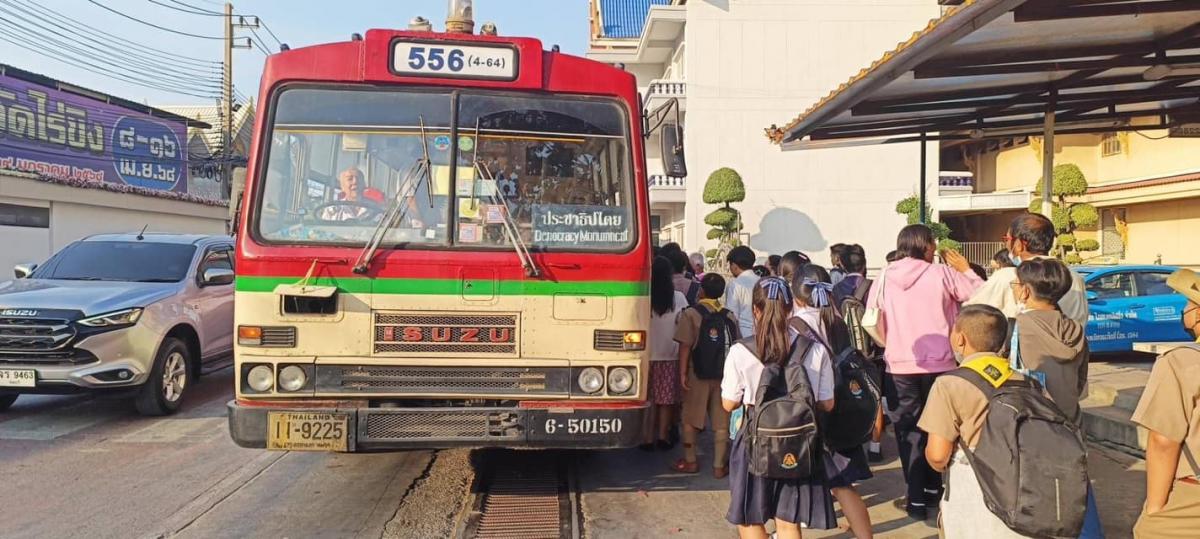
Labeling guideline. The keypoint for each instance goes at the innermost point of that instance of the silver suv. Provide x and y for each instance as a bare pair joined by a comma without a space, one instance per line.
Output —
140,313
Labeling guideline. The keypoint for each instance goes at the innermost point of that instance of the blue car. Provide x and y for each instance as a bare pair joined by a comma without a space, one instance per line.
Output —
1129,304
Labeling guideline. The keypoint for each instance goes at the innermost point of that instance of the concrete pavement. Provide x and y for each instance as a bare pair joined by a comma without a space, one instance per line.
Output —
631,494
83,467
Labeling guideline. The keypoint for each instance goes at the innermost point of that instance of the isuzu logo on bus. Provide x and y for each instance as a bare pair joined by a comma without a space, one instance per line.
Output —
426,58
445,334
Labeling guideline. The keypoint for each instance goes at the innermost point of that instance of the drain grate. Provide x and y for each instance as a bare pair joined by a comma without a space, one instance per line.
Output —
523,498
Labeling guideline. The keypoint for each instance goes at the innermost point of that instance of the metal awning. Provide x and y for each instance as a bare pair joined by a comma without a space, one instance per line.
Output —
1004,68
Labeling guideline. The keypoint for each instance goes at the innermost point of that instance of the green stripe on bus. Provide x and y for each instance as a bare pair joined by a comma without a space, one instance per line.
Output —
246,283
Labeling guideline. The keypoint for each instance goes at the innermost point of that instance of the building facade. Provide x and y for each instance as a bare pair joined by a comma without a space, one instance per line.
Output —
736,67
75,162
1145,184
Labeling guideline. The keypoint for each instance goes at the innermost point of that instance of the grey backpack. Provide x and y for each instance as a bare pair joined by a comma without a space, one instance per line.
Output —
1030,461
783,441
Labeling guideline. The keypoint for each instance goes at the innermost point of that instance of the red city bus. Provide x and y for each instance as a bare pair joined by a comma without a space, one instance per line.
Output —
444,242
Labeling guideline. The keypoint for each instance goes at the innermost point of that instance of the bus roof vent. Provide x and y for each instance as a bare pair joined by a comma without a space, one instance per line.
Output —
420,24
461,18
488,29
356,36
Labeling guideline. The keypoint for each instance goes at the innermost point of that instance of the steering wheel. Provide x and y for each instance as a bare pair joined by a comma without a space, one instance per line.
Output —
362,212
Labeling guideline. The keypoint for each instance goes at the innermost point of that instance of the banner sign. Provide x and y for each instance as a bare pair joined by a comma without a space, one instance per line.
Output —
564,225
75,138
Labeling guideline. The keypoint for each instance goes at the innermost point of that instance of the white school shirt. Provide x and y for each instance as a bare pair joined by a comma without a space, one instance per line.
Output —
743,371
997,292
739,299
662,331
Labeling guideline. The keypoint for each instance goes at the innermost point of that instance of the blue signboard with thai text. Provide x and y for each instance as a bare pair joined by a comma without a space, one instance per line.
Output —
78,139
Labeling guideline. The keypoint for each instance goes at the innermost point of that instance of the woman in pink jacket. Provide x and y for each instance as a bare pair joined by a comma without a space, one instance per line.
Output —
920,301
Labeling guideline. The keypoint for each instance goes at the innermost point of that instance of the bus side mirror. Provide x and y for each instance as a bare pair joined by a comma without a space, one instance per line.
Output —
672,150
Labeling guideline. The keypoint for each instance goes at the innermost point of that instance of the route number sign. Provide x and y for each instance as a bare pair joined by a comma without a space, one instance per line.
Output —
434,59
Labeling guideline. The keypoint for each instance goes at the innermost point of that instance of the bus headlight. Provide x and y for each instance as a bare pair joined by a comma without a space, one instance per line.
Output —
292,378
620,380
260,378
591,380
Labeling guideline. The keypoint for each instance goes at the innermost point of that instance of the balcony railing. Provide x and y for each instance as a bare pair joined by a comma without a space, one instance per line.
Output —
667,89
949,183
668,182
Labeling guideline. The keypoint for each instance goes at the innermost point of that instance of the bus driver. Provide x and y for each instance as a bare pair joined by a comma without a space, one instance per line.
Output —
351,191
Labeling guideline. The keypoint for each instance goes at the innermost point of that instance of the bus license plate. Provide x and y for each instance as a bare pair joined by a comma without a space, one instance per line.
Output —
18,378
306,431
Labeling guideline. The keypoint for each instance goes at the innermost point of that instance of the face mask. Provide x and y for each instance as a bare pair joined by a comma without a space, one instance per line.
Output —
1016,260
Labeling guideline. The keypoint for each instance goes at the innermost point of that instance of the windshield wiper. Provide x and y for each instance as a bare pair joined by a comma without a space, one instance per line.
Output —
495,196
416,175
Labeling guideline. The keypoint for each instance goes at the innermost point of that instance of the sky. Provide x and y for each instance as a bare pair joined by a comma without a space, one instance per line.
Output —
79,53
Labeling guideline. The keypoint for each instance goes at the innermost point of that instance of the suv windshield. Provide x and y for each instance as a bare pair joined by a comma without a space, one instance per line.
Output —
119,261
551,173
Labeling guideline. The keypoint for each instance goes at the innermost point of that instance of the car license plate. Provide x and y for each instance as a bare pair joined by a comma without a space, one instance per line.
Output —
18,378
306,431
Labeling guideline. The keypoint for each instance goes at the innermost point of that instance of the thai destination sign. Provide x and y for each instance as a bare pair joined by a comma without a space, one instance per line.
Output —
75,138
564,225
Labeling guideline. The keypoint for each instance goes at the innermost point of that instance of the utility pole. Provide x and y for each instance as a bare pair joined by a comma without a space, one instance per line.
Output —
227,94
227,103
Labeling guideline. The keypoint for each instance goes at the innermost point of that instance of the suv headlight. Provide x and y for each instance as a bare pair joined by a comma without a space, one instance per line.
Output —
127,317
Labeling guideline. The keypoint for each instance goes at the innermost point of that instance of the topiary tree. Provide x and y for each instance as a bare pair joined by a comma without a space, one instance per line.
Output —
724,186
1068,217
910,208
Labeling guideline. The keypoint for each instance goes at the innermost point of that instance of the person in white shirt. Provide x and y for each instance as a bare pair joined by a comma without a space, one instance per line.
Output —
738,295
665,305
1029,236
754,500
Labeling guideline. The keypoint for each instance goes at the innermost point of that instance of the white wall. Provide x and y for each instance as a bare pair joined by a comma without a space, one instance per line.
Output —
754,63
77,212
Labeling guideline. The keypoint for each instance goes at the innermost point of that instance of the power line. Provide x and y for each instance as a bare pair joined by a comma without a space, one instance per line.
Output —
82,27
268,29
262,47
152,25
37,48
71,43
188,9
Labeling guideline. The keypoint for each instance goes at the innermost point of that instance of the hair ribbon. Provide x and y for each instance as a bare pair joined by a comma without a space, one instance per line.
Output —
776,289
820,292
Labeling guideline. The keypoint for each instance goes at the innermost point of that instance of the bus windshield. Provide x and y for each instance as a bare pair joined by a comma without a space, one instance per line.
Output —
552,173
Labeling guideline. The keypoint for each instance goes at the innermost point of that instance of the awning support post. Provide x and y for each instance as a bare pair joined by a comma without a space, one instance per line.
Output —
1048,157
921,197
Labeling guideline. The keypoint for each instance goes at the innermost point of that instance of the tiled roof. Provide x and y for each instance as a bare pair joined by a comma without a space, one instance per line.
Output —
625,18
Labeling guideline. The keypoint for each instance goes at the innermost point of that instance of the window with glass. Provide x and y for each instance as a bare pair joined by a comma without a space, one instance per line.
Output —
1112,286
546,173
1153,284
131,261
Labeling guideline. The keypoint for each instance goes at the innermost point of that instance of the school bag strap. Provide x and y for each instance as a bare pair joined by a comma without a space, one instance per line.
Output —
861,291
800,344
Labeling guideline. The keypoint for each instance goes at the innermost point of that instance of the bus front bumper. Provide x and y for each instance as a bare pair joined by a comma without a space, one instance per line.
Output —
549,424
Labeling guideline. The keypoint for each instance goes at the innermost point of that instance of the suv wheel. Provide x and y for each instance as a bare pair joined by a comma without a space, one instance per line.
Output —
169,379
7,400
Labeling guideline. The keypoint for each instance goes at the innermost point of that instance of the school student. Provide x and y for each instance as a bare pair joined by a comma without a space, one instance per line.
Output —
1052,348
955,411
753,499
813,297
1169,410
705,332
665,306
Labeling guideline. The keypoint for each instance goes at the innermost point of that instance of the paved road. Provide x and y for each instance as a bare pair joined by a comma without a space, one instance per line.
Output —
74,466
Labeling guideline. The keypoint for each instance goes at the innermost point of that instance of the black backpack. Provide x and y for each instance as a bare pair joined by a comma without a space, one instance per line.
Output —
782,429
1030,461
717,333
852,309
856,396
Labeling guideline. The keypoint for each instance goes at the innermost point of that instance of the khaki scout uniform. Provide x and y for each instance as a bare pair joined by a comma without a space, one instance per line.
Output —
1170,407
957,409
703,398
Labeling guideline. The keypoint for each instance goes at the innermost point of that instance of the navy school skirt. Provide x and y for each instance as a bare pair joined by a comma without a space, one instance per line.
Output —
755,500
